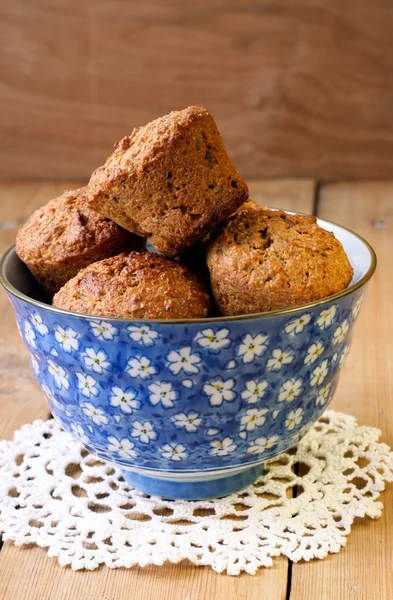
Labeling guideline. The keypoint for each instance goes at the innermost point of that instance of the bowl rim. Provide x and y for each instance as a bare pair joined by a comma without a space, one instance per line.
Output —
206,320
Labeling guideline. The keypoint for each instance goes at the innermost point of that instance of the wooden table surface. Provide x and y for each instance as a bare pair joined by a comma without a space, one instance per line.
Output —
362,570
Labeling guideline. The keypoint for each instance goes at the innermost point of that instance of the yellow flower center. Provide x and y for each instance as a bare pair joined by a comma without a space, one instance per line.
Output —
251,347
211,338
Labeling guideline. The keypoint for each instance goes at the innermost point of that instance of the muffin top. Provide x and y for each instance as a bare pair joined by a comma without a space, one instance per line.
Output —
65,227
262,260
135,286
171,181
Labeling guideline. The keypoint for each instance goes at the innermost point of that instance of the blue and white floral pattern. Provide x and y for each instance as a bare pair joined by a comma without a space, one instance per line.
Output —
192,396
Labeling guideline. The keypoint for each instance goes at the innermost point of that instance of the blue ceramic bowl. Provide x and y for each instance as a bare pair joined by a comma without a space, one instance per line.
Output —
190,409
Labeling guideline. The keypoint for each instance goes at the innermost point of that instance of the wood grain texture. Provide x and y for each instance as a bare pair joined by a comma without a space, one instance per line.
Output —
28,574
363,570
301,89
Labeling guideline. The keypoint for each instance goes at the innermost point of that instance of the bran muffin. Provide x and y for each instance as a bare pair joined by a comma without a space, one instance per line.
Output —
139,285
171,181
262,260
64,236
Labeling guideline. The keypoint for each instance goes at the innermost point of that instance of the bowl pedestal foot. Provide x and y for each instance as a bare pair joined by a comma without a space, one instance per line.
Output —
193,487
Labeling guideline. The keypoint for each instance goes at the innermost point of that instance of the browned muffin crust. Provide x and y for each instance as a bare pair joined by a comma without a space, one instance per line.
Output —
171,181
64,236
262,260
135,286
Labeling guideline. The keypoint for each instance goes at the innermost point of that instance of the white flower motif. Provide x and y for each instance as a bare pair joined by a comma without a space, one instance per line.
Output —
296,326
340,333
188,383
97,415
252,347
96,361
313,352
68,338
189,421
140,367
344,354
262,444
87,385
254,390
219,390
214,341
290,389
163,392
222,447
143,431
173,451
326,317
59,375
38,324
294,418
357,307
123,447
335,357
183,360
103,330
35,365
51,398
253,418
30,335
143,335
79,433
318,375
323,394
125,400
280,358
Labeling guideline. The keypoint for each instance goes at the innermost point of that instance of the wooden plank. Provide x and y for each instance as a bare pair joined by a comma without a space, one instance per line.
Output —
363,569
301,89
288,194
28,574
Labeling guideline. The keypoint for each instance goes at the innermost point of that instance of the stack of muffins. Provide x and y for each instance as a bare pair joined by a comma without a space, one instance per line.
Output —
172,183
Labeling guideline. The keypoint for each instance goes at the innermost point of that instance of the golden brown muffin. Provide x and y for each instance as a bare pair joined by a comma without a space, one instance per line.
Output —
139,285
262,260
171,181
64,236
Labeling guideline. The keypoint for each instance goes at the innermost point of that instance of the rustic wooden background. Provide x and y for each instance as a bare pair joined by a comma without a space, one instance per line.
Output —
297,88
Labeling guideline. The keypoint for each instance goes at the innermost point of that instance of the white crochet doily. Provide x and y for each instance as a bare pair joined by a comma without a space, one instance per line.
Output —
55,495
